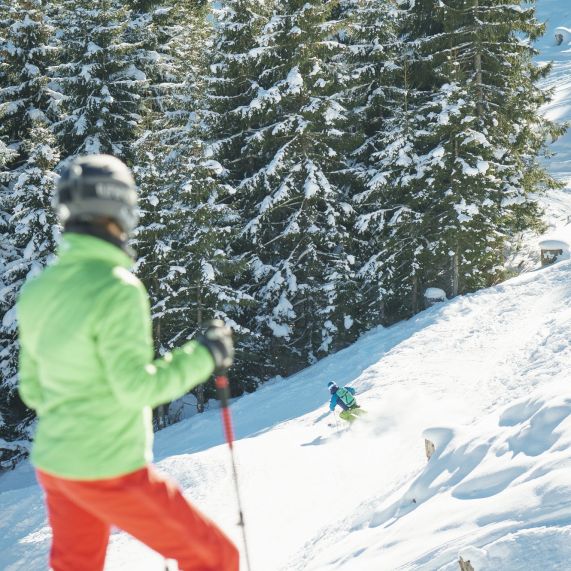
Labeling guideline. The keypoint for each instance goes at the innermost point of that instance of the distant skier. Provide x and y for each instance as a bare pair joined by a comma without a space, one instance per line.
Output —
87,368
344,397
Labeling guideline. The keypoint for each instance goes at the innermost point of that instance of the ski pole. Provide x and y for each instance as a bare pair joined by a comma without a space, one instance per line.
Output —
223,390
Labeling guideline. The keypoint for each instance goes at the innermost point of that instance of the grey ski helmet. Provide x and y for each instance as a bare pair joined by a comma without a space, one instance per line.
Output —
97,186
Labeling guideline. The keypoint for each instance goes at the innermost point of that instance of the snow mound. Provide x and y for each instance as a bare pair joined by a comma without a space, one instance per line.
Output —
484,376
491,490
562,36
538,549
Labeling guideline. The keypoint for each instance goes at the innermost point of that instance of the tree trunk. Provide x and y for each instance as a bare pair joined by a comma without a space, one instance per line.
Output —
200,405
162,410
455,271
429,448
465,565
415,301
478,66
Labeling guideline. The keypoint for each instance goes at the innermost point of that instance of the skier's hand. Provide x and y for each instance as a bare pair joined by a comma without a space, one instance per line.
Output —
217,338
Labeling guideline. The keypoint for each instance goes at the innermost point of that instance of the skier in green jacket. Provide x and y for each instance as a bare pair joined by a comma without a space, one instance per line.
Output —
87,369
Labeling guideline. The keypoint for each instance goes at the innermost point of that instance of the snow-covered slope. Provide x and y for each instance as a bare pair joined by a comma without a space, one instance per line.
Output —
557,13
524,254
485,377
557,204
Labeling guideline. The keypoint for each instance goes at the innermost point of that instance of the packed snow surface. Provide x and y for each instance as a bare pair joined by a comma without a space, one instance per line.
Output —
485,377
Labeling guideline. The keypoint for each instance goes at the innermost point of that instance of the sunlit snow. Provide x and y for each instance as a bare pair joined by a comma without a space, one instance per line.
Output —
485,377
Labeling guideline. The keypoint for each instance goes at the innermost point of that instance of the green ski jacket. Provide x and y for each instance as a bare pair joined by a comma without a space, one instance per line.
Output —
86,363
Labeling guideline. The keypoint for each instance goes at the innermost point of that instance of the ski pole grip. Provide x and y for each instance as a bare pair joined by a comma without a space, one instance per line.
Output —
223,390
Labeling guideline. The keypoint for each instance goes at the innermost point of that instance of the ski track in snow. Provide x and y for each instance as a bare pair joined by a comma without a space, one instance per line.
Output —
484,376
516,336
321,498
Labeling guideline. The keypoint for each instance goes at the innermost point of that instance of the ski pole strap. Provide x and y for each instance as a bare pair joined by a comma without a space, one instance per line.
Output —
223,390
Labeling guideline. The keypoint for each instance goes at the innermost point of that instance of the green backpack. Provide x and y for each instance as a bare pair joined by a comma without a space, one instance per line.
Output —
346,397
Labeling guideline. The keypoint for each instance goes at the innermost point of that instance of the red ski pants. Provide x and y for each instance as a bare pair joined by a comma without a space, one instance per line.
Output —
142,503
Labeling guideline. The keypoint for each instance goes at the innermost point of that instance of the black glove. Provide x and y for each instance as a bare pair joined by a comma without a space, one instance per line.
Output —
217,338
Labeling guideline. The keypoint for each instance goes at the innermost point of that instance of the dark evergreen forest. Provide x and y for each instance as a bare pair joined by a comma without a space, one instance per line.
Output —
307,169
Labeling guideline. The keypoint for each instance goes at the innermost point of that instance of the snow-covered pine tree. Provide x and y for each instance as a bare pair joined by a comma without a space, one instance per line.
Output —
292,196
101,85
478,136
187,224
392,207
169,34
231,84
28,225
25,95
9,413
382,100
33,232
183,238
233,81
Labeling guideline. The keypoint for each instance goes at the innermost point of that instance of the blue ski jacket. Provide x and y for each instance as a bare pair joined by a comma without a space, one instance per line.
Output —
335,400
